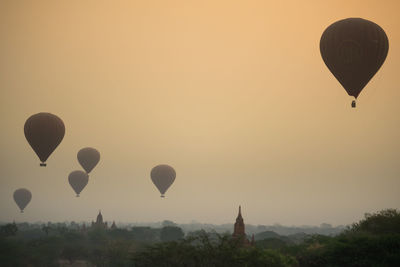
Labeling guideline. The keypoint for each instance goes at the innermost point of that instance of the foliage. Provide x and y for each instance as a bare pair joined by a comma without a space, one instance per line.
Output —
9,229
203,251
11,253
265,235
383,222
98,246
168,223
353,250
374,241
271,243
171,233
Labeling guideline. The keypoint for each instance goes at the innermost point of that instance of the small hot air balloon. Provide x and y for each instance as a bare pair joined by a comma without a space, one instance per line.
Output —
44,132
22,197
78,180
354,49
88,157
163,176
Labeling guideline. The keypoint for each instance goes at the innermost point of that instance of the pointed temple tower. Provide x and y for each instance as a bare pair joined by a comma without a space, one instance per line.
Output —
239,230
99,222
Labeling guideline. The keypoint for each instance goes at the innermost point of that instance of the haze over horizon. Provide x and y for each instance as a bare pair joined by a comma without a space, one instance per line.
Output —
233,94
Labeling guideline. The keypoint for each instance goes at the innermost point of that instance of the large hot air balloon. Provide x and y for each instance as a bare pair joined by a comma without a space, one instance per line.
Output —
88,157
22,197
78,180
44,132
163,176
354,49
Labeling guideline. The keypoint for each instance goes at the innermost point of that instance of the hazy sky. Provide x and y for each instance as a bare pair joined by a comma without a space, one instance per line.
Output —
233,94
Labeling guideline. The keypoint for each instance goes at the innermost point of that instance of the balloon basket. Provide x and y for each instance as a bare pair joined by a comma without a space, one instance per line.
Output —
162,196
77,195
22,211
353,104
42,164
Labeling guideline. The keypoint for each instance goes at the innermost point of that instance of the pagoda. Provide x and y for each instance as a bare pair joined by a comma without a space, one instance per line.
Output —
239,230
99,222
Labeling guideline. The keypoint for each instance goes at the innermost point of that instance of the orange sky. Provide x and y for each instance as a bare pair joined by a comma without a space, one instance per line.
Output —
233,94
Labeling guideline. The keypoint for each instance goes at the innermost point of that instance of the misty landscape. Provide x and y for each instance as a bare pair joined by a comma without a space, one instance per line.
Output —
185,133
374,241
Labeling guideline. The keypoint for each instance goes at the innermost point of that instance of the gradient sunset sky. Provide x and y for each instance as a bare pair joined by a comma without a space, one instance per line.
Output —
233,94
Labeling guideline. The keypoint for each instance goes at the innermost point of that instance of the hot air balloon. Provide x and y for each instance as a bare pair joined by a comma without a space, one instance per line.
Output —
354,49
44,132
88,157
22,197
163,176
78,180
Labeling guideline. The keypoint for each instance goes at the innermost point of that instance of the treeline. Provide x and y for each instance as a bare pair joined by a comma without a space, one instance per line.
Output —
373,241
55,243
323,229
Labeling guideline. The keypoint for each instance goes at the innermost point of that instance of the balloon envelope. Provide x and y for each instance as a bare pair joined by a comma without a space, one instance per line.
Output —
44,132
354,49
163,176
22,197
88,157
78,180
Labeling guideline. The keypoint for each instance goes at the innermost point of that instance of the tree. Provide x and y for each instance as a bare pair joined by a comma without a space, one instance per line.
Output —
46,229
199,251
9,229
271,243
373,241
383,222
171,233
73,252
168,223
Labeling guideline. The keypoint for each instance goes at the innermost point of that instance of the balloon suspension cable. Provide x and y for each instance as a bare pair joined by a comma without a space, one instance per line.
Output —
42,164
353,104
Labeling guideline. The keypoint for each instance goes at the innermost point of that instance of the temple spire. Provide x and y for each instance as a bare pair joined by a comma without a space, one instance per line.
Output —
99,221
239,217
239,230
239,224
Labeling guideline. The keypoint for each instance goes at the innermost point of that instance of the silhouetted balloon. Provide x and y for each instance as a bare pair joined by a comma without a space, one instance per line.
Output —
22,197
163,176
44,132
88,157
354,49
78,180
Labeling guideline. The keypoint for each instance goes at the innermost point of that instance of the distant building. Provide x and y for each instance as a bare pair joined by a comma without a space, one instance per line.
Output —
99,222
113,226
239,230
